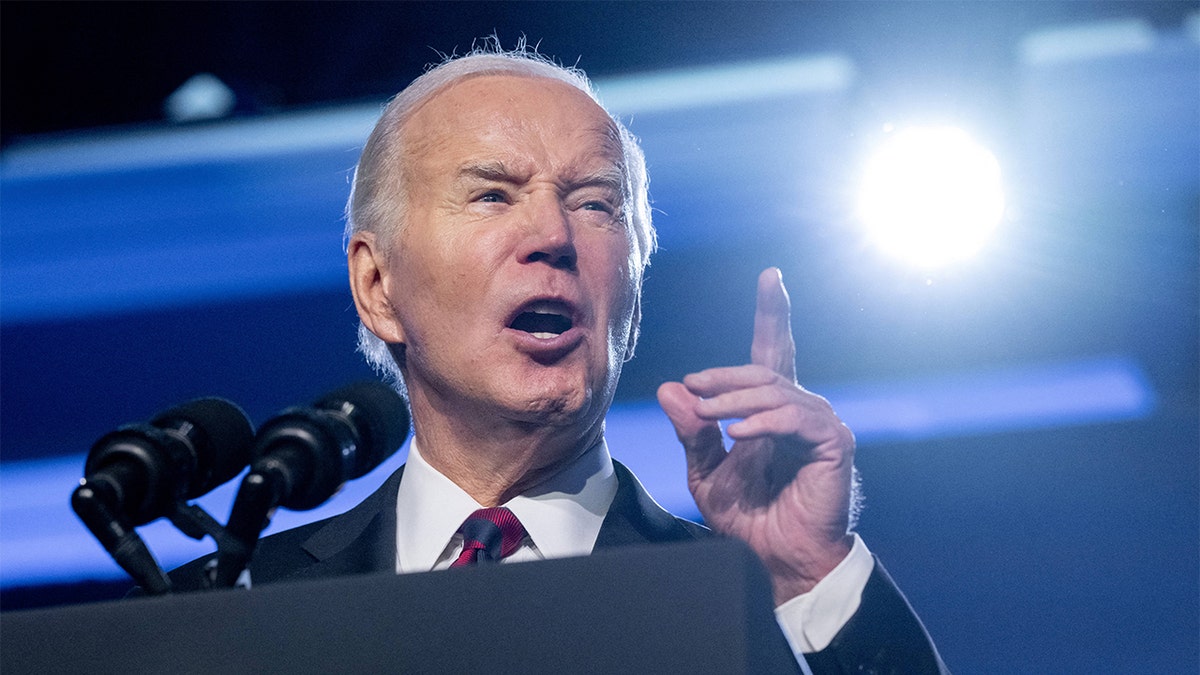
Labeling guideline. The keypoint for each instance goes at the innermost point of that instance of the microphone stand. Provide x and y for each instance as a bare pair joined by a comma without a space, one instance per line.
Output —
261,491
92,501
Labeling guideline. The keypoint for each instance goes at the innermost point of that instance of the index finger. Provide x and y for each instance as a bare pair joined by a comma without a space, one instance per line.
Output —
773,345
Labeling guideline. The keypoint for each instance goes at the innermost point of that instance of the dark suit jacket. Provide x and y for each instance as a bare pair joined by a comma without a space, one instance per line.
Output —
884,636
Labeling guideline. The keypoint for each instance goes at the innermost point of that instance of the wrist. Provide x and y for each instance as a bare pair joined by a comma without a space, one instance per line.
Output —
792,579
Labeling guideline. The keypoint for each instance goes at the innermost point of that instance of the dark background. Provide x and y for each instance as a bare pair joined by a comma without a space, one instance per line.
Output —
1064,549
77,65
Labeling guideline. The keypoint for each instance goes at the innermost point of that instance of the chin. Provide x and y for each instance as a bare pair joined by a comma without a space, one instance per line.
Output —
568,394
556,405
554,410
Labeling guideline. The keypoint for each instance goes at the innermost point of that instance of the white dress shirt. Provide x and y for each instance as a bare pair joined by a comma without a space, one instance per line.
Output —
562,517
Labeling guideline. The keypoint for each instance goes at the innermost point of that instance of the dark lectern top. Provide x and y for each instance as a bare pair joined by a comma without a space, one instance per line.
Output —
697,607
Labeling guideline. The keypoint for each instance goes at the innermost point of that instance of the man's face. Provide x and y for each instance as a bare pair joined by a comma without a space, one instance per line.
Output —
514,281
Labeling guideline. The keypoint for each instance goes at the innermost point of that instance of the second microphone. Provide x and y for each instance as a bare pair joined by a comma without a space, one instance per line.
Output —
303,456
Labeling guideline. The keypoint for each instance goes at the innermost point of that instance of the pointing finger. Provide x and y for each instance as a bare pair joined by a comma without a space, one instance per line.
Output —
773,346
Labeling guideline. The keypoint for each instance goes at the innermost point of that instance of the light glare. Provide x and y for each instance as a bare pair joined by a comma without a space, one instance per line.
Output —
931,196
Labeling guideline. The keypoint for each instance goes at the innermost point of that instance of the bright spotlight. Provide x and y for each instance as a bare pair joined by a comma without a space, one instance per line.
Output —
931,196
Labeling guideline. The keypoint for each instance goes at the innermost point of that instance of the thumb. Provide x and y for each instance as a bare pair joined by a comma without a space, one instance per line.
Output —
701,438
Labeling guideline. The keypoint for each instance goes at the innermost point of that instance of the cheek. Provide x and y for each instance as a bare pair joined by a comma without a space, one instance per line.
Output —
439,280
622,276
416,289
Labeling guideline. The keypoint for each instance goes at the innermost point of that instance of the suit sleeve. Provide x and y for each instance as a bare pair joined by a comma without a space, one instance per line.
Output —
884,636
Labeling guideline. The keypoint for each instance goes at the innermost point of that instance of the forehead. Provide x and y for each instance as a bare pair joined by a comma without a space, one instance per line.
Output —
529,123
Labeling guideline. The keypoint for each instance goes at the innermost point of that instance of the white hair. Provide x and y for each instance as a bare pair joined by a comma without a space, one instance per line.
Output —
377,195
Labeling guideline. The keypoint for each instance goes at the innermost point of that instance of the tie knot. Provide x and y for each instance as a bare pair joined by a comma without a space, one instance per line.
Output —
489,535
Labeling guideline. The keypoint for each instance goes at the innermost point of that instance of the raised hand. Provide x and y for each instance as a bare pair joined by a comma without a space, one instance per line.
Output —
784,487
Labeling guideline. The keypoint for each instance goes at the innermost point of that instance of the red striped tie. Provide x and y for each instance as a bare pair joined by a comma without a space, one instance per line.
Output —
489,535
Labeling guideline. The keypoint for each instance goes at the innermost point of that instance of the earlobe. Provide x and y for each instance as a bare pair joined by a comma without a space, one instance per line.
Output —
368,284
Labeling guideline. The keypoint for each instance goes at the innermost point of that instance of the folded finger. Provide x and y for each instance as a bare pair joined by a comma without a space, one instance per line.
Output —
742,403
716,381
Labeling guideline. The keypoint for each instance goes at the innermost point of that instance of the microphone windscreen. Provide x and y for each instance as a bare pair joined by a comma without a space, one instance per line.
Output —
378,413
221,435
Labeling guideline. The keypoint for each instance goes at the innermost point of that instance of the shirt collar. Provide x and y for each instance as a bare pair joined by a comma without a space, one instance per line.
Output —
562,514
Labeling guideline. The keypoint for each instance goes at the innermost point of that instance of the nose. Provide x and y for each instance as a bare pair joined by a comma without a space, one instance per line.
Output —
548,234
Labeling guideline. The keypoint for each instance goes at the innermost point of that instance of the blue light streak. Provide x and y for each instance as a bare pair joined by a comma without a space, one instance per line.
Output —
43,542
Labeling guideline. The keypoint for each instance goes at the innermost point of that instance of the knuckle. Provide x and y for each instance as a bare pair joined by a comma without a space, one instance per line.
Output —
768,375
845,437
823,403
778,397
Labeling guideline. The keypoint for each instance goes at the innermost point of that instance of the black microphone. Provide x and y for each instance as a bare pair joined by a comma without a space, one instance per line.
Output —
303,456
141,472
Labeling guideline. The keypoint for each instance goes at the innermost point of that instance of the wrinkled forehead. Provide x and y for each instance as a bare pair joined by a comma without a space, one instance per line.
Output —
528,116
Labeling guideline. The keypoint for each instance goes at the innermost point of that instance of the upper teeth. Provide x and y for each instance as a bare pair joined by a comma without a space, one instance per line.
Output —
545,307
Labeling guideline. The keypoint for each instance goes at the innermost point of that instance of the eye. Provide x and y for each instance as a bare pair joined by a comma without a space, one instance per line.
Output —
493,197
597,206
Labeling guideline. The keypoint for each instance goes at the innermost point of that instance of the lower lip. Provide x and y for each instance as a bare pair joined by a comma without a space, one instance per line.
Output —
552,347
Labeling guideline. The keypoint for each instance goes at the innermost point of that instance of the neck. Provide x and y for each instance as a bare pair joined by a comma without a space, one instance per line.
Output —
494,459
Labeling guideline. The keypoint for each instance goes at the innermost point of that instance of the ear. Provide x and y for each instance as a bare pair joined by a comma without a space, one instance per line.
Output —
635,326
369,285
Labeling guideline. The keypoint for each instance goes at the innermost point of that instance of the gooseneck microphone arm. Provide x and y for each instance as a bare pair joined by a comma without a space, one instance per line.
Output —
285,464
93,502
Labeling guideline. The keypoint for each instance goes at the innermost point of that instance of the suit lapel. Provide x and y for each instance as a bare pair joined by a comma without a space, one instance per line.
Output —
361,540
635,518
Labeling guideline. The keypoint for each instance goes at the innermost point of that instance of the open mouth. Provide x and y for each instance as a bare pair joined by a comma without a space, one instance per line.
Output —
544,320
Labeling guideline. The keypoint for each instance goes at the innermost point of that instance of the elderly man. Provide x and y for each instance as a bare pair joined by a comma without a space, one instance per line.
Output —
498,231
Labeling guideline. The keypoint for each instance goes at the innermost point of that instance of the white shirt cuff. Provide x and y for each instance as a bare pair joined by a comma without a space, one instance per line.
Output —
811,620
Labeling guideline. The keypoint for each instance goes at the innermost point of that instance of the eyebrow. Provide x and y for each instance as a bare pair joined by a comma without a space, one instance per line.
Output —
610,177
487,170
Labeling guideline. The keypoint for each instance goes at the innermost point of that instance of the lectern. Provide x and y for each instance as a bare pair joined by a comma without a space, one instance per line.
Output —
698,607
